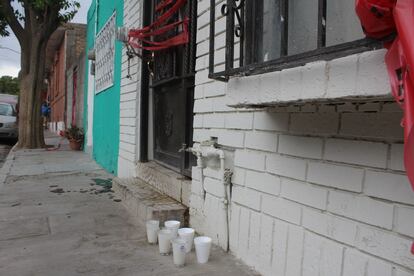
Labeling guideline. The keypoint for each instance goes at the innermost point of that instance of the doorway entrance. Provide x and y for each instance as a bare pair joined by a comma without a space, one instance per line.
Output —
171,74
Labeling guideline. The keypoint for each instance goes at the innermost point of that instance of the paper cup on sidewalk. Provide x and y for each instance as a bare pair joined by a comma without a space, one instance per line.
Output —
202,247
187,234
179,252
164,241
153,226
172,225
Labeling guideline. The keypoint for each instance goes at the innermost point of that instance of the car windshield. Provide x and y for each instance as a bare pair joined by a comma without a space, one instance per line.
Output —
6,109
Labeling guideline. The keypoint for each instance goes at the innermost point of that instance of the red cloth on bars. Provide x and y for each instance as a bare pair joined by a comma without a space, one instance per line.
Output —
376,17
137,37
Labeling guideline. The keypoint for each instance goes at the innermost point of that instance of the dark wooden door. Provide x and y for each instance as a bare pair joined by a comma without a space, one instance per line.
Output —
173,97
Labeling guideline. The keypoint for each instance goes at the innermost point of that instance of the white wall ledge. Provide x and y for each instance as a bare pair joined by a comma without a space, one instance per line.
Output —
360,76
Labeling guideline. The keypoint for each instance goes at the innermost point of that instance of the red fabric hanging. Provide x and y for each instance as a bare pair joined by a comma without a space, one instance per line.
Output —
137,37
381,18
376,17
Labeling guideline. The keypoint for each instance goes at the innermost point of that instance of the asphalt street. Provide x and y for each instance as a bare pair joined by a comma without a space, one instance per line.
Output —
5,147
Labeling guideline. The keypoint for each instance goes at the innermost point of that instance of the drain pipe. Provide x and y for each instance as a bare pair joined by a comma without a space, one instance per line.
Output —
227,182
208,149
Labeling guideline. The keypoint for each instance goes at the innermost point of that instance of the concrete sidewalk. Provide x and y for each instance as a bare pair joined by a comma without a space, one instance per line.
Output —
58,218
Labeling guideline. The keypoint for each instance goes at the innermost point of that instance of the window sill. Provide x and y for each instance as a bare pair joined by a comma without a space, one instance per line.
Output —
358,76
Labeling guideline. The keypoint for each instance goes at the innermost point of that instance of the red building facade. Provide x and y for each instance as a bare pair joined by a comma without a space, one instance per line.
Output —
64,53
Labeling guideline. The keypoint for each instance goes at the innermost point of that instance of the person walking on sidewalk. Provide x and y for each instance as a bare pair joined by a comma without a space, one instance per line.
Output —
45,109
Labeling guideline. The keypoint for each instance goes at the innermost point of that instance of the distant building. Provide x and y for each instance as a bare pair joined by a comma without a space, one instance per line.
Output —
65,65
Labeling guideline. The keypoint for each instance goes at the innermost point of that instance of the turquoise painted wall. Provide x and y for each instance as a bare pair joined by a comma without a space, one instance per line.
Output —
106,103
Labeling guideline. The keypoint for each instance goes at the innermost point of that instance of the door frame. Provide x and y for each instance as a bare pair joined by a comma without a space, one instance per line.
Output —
146,86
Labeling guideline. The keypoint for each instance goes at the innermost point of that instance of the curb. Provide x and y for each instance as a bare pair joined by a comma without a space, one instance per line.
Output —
5,169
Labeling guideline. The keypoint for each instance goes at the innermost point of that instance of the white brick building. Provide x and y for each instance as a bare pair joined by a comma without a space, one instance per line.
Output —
318,185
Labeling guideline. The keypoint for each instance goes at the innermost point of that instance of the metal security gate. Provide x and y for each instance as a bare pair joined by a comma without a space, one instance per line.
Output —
173,72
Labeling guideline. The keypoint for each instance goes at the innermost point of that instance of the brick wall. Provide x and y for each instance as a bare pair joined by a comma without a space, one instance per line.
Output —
57,89
79,67
130,95
318,189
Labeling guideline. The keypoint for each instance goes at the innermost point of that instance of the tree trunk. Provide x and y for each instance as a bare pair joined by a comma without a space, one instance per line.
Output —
32,82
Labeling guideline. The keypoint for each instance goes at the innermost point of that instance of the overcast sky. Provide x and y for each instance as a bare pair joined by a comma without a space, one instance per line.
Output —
10,60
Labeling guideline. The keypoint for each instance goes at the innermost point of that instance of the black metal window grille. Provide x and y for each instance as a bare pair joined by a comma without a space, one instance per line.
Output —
244,33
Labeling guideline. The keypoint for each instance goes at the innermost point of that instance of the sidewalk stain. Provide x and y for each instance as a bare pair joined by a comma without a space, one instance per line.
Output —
57,190
105,187
106,184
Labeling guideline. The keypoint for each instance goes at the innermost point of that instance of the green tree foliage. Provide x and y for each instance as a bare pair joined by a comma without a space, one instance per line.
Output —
9,85
61,11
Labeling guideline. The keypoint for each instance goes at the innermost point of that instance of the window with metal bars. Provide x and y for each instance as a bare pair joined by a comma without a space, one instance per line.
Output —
278,34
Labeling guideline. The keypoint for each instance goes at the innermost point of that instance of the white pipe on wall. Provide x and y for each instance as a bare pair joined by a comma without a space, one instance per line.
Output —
207,150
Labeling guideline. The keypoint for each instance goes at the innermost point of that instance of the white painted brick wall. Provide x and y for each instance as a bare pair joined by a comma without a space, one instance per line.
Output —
130,95
366,125
321,256
404,220
231,138
399,272
359,264
314,123
265,245
243,241
342,75
234,227
295,250
337,176
247,197
280,238
262,182
261,141
396,159
301,146
355,75
385,245
390,186
361,208
241,120
318,189
271,121
250,160
334,227
282,209
214,187
253,256
304,193
357,152
213,120
286,166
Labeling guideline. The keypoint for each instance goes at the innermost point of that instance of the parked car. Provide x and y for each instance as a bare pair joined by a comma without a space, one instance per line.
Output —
8,120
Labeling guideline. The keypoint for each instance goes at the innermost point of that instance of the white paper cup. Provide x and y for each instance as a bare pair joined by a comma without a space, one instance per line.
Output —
164,241
187,234
153,226
179,252
172,225
202,247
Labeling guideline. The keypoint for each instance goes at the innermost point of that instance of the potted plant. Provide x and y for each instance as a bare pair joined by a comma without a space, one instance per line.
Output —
75,136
